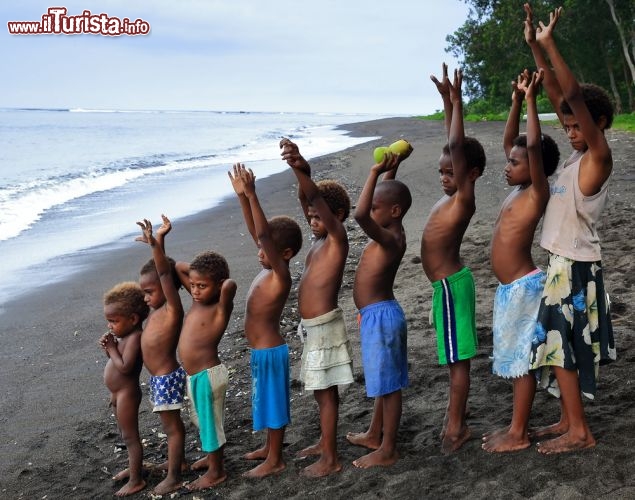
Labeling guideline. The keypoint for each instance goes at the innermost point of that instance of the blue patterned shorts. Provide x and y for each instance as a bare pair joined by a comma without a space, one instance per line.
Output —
167,391
515,323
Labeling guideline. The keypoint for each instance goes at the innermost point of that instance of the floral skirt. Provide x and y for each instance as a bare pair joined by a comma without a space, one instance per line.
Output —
574,326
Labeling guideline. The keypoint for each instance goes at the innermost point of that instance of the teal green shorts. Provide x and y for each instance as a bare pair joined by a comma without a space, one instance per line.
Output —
454,317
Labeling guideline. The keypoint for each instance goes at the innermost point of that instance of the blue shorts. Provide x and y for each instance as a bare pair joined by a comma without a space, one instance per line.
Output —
383,332
270,387
167,391
515,322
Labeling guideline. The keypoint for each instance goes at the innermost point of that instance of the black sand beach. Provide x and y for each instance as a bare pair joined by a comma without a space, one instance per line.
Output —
58,438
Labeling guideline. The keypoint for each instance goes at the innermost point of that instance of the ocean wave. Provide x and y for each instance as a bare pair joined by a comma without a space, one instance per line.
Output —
23,204
54,180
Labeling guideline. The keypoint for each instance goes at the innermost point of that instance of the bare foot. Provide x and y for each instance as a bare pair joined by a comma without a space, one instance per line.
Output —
130,488
200,464
565,443
125,474
259,454
489,435
505,442
310,451
364,439
164,467
121,475
444,427
206,481
551,430
445,422
377,458
167,486
265,469
321,468
450,444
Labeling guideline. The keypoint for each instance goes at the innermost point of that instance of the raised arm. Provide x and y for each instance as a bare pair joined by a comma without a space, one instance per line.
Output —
365,202
183,272
550,83
308,192
261,225
595,170
239,188
163,268
443,87
512,126
227,294
392,172
163,231
456,141
539,183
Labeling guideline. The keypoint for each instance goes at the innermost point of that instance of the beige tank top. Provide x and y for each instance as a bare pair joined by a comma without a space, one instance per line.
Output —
569,224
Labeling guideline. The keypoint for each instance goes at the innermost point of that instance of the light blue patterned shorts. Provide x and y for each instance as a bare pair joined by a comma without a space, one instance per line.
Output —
515,321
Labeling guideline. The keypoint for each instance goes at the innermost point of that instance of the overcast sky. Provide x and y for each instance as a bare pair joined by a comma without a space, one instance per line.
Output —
362,56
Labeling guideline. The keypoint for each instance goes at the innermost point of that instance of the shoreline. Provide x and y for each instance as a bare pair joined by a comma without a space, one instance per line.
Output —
57,434
87,207
88,256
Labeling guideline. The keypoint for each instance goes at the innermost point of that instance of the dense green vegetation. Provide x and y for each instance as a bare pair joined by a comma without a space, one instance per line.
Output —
596,38
620,122
624,122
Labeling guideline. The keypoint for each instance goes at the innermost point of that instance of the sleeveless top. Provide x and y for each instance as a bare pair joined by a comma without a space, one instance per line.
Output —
568,227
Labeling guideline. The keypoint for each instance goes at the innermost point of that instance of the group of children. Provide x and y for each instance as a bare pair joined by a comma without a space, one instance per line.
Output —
549,326
197,371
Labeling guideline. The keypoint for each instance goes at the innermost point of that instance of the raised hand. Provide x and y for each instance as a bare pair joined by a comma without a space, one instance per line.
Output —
455,87
237,182
390,162
532,85
519,85
291,154
544,33
530,30
146,232
443,86
165,228
248,179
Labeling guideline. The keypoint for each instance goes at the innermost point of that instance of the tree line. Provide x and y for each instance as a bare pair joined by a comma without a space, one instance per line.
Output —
595,37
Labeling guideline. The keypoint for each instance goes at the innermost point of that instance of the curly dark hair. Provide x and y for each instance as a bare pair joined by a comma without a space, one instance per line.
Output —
335,196
550,152
149,268
474,153
597,101
211,264
129,298
285,233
